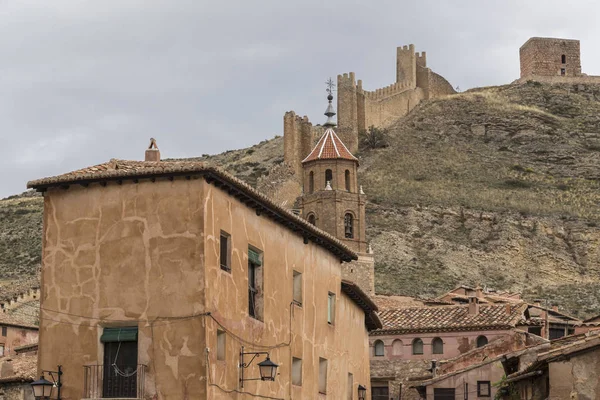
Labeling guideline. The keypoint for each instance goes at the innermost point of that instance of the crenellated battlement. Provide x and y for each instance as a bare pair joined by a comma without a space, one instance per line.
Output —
390,90
23,297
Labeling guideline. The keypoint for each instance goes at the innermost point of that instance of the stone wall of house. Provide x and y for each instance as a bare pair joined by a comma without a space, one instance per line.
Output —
16,391
361,272
142,254
398,376
544,56
576,377
17,336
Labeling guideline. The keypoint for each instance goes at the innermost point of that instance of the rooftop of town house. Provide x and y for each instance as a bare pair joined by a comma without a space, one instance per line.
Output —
22,315
387,302
330,147
556,351
123,170
450,318
358,296
23,368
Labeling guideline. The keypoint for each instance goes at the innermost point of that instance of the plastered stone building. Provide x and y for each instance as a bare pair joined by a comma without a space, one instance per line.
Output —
553,60
157,276
359,108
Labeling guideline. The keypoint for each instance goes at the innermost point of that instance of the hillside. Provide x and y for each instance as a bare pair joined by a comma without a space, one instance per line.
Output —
498,186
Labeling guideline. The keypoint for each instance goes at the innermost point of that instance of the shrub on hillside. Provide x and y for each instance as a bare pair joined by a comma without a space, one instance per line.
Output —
374,138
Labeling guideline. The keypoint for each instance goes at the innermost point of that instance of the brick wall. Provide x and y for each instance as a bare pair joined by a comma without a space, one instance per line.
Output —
544,57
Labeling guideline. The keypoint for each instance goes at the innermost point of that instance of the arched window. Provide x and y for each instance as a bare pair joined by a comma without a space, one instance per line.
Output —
311,182
437,346
563,59
328,177
379,348
347,180
481,341
312,219
349,226
417,346
397,347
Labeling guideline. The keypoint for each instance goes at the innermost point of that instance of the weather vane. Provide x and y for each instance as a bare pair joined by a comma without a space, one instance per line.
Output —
330,86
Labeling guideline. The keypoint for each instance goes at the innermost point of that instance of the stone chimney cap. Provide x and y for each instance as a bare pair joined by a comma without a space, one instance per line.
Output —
152,153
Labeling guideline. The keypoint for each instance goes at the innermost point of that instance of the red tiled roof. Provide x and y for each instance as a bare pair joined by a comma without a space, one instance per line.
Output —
24,369
23,315
121,170
330,146
450,318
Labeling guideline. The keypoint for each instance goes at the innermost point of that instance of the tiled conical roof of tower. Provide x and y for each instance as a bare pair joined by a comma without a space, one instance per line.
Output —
329,147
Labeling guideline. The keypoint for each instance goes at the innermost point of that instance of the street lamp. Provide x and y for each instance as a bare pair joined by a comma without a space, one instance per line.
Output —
362,392
267,368
42,388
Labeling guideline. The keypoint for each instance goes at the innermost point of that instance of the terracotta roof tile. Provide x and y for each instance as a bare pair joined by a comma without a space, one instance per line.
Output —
330,146
23,315
24,368
450,318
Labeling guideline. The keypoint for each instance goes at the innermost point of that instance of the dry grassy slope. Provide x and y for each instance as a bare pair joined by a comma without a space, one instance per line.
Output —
496,185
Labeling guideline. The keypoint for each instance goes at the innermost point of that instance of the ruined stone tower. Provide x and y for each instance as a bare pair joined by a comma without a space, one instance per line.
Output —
550,57
333,201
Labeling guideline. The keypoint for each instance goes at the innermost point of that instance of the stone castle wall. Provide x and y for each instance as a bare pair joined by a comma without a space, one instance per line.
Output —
544,56
299,137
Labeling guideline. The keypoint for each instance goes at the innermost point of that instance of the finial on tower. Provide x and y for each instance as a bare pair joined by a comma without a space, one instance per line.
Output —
330,112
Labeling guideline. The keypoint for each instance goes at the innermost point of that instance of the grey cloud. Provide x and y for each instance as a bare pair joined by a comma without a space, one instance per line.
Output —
84,81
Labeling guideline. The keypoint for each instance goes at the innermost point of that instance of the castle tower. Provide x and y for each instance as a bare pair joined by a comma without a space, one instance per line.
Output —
406,65
333,201
550,57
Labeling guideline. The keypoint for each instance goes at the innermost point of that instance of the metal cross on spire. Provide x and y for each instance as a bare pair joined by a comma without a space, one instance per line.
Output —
330,86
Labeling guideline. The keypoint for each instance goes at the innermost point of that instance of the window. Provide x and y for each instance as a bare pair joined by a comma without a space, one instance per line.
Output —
563,59
330,308
221,342
297,371
397,347
120,362
4,330
1,350
225,258
380,393
312,219
311,182
556,333
322,375
437,346
417,346
482,341
255,284
328,177
348,226
563,71
297,288
379,348
347,176
350,387
484,389
444,394
536,330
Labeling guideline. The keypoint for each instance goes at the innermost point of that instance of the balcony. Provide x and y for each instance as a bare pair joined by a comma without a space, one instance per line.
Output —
113,382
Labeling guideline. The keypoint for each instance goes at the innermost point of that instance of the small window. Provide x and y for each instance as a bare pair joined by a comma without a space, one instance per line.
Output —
255,284
350,387
225,251
484,389
297,371
322,375
221,343
297,288
417,346
312,219
437,346
349,226
379,348
311,182
563,71
1,350
563,59
4,331
397,347
347,176
328,177
482,341
330,308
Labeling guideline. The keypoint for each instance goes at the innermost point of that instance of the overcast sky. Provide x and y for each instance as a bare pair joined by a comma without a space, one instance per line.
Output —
85,81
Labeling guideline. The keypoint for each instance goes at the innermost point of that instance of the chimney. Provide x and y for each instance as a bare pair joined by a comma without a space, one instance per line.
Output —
478,292
555,307
473,305
508,309
537,302
152,153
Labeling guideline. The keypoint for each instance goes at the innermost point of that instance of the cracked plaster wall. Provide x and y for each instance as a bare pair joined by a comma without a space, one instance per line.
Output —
136,252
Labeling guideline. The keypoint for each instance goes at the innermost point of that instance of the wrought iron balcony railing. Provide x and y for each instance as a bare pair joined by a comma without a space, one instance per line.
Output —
114,381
